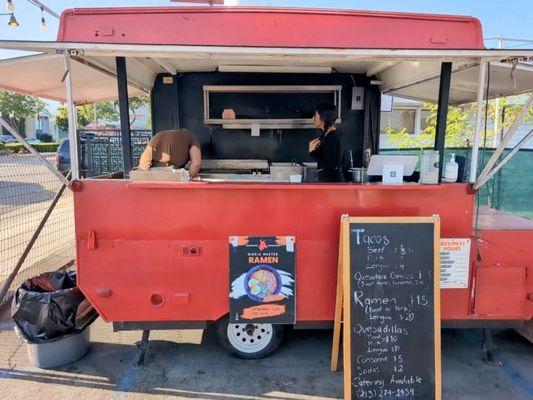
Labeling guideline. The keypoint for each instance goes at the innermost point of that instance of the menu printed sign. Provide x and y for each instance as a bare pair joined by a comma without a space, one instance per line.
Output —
262,279
454,263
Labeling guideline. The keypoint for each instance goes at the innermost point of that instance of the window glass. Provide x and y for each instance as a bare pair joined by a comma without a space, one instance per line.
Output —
398,120
424,117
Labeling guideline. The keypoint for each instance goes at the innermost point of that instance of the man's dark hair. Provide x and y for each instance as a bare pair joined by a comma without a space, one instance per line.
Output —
327,113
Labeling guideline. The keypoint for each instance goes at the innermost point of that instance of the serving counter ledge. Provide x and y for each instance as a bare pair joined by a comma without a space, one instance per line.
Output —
289,186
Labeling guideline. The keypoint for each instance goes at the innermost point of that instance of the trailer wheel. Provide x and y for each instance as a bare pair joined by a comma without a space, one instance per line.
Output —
249,341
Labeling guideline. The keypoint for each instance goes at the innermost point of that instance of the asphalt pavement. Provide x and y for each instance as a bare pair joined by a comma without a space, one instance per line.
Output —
191,365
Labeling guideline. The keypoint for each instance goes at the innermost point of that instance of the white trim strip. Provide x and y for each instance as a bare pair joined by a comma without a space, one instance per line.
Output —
479,114
136,50
72,122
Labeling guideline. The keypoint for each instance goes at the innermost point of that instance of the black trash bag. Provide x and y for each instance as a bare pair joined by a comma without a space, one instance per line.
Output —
49,306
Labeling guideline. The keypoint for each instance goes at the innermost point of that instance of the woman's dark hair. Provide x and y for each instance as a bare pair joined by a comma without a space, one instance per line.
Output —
327,113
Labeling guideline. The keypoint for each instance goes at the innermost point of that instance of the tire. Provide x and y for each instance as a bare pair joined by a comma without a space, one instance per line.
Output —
248,341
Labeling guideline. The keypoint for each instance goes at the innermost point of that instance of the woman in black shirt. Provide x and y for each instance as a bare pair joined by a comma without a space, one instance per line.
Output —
327,149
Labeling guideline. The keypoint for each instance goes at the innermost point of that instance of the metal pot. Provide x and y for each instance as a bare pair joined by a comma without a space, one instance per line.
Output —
310,172
359,175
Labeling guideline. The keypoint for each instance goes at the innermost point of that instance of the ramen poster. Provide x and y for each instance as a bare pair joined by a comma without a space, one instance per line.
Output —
262,279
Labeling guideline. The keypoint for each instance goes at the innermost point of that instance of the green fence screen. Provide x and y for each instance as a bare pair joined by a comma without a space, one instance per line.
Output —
511,189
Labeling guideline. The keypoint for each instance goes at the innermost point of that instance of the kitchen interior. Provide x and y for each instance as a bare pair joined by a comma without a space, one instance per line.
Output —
255,127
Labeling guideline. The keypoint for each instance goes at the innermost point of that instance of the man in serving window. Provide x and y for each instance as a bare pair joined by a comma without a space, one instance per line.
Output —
175,148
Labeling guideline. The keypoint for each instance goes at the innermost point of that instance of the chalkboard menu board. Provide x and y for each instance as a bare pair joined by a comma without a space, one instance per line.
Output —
262,279
390,279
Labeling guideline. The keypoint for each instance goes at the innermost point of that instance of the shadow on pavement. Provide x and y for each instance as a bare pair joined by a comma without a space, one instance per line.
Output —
20,193
201,371
197,368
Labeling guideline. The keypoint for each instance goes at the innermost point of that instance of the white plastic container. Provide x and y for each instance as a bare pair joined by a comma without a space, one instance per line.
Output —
451,171
429,167
57,353
295,178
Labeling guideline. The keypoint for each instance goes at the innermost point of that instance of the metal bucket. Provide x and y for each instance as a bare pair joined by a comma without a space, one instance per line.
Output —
310,172
359,175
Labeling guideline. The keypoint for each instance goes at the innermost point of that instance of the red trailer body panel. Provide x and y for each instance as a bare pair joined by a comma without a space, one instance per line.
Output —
504,274
159,251
171,239
269,27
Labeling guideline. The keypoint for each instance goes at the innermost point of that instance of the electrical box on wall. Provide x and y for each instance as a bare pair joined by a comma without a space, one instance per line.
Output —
358,98
168,80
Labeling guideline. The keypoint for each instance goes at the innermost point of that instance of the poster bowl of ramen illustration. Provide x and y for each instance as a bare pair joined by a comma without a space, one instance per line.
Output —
262,281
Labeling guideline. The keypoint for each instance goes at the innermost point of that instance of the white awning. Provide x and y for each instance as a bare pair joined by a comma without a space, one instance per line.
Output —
506,79
41,75
405,73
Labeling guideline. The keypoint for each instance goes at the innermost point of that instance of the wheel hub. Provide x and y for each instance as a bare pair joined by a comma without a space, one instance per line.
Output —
249,329
250,338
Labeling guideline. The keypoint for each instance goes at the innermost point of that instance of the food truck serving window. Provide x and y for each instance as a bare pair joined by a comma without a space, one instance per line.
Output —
287,106
283,110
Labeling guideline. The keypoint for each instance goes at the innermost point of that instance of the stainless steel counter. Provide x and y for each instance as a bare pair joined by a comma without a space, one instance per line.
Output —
236,178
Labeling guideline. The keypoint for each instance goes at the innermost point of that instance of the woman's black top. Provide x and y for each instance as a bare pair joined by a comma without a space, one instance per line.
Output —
329,154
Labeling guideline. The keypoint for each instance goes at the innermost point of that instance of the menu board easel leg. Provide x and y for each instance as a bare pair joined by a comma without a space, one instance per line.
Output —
346,316
338,309
437,316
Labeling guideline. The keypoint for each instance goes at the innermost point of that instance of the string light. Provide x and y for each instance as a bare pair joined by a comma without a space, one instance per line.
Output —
44,9
13,21
43,21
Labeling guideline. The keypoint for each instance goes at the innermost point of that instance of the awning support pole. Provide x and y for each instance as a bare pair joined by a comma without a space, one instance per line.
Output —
483,179
479,114
29,147
72,122
123,102
507,138
442,112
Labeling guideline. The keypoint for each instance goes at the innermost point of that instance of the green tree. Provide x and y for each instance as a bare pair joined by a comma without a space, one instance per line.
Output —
137,103
15,108
61,117
459,125
459,129
105,111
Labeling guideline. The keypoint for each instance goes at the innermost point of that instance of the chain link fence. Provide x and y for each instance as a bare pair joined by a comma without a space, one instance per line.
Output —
27,189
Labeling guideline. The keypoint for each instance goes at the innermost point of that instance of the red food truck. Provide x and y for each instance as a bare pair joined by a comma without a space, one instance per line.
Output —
154,254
